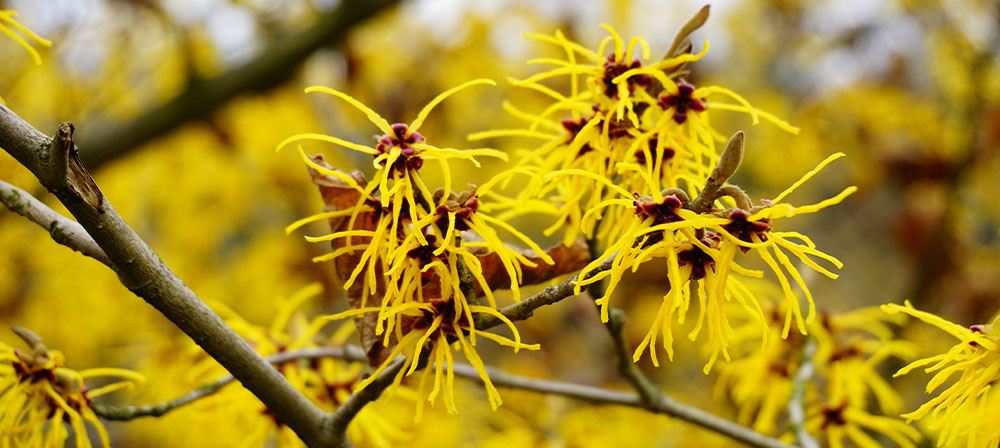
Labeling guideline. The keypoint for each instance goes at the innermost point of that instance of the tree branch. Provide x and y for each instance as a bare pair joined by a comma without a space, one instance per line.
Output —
548,296
660,405
626,367
55,162
125,413
649,393
590,394
63,230
203,96
341,418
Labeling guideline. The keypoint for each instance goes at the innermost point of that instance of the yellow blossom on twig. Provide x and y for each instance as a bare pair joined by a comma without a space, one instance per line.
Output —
965,410
39,396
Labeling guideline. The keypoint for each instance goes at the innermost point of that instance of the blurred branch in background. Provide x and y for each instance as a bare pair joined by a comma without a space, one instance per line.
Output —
941,258
797,404
202,97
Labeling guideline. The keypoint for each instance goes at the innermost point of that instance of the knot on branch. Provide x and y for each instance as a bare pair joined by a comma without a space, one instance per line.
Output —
67,167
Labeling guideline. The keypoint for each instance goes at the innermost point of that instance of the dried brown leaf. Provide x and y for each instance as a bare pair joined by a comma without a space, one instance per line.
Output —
337,195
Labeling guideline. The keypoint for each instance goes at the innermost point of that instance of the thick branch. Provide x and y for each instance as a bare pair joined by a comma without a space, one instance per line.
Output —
64,231
202,97
55,163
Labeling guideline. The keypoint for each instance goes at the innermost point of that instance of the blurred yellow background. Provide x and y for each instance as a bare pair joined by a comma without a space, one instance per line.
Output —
907,88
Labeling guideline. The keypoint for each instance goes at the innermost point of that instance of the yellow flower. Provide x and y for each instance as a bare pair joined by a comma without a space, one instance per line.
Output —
701,253
839,420
419,252
965,411
10,28
759,378
399,152
327,382
39,396
752,230
630,123
407,215
440,327
849,348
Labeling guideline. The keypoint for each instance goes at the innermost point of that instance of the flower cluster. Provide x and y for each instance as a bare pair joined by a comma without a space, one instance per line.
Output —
40,397
630,143
629,148
325,380
418,253
848,350
964,412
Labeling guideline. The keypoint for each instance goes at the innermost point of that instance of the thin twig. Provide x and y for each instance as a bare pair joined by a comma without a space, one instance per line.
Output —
466,280
130,412
548,296
590,394
615,325
660,405
742,199
338,420
203,96
126,413
63,230
627,368
796,405
56,164
649,396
